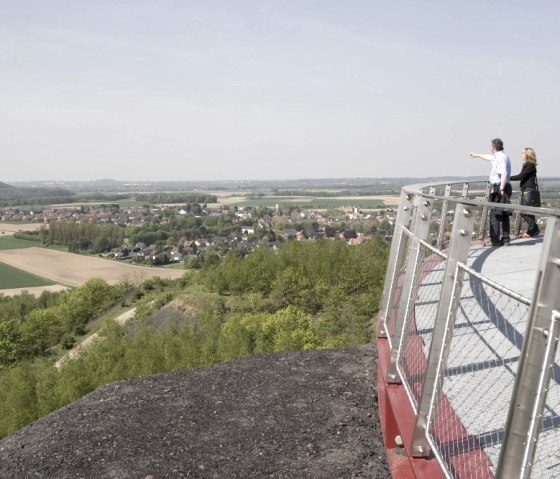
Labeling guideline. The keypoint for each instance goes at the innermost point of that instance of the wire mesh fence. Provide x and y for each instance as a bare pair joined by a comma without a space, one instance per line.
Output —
425,293
471,413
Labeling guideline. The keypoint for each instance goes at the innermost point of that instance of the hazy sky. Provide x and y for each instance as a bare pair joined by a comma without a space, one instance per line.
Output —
263,89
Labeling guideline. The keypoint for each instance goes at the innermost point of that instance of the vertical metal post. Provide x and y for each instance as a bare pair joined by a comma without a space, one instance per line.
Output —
443,222
403,219
463,223
408,294
485,209
518,219
533,374
465,193
432,191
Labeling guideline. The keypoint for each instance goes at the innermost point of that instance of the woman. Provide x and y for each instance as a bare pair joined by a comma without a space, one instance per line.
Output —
529,188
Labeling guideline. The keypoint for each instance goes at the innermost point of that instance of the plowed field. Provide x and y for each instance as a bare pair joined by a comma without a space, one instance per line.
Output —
74,270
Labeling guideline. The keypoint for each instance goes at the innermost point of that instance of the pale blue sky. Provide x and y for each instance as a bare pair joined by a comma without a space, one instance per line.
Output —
247,89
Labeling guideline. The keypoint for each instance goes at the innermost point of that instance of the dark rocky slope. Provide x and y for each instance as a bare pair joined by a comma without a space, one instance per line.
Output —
289,415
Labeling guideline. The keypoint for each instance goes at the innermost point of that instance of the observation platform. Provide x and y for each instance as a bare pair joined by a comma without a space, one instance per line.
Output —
468,342
511,266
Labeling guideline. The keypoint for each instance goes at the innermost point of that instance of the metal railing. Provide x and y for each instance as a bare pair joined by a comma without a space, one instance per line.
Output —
477,359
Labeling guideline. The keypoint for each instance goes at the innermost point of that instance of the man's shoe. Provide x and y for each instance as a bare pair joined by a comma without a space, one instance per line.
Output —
504,241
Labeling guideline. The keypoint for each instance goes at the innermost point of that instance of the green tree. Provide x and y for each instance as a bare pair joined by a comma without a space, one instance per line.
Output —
40,330
10,342
287,329
85,303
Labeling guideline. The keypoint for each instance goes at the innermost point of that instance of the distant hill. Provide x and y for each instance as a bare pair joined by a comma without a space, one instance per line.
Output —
112,190
6,186
15,196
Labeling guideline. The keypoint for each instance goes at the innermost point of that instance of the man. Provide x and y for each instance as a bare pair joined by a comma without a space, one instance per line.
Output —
499,179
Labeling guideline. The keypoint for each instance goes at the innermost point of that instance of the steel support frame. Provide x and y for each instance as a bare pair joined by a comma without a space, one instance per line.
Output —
443,218
534,371
465,193
518,219
463,224
485,210
403,219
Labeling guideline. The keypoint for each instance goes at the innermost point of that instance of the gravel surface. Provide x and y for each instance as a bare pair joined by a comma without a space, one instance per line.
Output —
288,415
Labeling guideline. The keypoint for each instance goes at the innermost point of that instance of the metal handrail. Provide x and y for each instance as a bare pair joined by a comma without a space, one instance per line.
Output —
417,189
498,287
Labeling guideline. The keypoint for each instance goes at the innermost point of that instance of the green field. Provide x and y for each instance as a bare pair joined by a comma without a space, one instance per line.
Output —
16,278
315,203
125,203
9,242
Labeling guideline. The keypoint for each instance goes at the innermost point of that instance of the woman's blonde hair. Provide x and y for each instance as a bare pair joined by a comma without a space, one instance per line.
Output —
529,155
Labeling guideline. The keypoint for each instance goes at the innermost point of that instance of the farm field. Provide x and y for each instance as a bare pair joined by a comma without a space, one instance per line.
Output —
9,242
244,199
11,228
316,202
73,270
11,277
124,203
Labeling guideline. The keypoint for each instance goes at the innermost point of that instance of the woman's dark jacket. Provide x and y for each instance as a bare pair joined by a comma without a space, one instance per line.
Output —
527,177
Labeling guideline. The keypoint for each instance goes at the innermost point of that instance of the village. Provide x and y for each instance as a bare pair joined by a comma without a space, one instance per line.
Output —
193,234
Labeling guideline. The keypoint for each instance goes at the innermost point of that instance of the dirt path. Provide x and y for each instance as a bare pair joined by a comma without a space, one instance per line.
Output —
86,343
74,270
